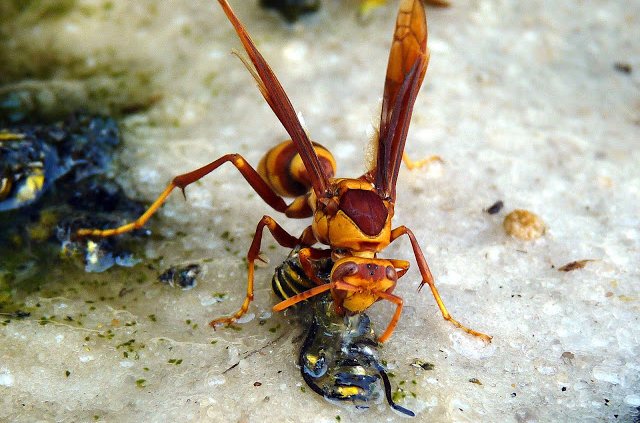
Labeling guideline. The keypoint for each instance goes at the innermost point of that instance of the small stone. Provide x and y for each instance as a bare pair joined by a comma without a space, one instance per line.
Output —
632,400
524,224
495,207
6,378
606,374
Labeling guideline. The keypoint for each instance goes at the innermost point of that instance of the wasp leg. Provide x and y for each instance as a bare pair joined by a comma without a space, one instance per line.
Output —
396,316
307,256
302,296
282,237
411,164
181,181
427,278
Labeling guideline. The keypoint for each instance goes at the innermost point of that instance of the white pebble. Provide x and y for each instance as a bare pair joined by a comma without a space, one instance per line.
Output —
633,400
85,358
606,374
6,378
217,380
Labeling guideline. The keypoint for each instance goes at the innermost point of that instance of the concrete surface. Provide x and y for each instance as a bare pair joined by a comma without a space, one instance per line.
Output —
523,102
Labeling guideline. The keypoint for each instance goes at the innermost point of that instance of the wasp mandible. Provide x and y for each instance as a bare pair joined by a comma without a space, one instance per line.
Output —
350,216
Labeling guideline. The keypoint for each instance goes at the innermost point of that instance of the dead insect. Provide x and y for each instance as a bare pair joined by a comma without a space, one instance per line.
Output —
339,357
54,179
578,264
623,67
33,156
184,277
291,279
291,10
351,216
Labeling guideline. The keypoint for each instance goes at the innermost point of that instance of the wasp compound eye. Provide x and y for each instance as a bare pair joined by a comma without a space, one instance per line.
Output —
391,273
347,268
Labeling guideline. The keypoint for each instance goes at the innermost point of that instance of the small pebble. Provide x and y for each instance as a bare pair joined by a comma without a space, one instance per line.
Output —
495,207
524,225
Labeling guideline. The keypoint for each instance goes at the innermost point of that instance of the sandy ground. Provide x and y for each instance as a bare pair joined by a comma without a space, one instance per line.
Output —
526,102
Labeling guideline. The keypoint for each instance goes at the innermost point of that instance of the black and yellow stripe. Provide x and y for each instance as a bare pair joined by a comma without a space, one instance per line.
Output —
290,279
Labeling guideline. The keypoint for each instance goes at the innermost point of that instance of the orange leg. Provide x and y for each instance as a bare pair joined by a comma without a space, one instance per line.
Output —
307,256
419,163
182,181
396,316
384,295
282,237
427,278
302,296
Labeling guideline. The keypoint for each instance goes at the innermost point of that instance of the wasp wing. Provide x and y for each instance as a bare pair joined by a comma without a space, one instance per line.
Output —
407,65
280,104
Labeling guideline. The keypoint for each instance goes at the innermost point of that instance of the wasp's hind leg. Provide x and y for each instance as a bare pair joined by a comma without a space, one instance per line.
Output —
411,164
283,238
262,188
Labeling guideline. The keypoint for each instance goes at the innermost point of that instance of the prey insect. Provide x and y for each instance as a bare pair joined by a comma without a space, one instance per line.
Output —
339,358
352,216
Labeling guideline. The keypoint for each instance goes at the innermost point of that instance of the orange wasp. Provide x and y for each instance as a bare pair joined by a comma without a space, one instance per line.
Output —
351,216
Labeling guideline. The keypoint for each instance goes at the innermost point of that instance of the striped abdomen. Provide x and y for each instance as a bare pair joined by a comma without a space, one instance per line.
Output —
290,279
282,168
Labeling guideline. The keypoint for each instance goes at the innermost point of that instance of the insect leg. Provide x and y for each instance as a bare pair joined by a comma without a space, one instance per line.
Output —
181,181
387,392
427,278
307,256
302,296
396,316
414,164
282,237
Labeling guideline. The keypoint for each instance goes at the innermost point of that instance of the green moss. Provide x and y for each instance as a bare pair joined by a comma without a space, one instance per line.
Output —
275,328
31,11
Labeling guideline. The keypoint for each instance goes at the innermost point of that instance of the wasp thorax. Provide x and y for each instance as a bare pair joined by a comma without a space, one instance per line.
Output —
366,209
354,217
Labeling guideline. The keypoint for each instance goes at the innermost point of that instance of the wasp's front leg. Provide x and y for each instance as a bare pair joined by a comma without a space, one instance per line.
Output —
283,238
427,278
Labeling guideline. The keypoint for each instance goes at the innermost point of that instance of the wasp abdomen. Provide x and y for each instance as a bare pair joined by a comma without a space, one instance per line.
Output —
282,168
